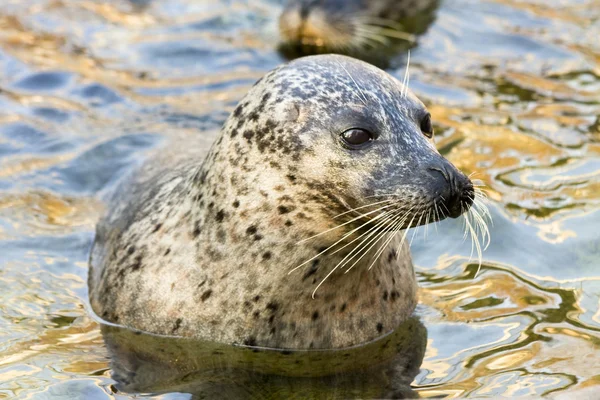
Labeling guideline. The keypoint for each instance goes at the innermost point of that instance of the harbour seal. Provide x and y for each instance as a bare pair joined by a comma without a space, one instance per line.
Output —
353,26
285,234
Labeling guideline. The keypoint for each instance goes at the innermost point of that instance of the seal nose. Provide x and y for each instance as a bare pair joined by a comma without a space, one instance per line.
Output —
457,193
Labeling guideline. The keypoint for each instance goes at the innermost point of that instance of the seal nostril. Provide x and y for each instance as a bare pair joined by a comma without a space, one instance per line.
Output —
441,171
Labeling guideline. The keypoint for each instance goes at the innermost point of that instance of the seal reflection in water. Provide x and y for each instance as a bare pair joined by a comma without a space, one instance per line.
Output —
207,370
362,28
288,233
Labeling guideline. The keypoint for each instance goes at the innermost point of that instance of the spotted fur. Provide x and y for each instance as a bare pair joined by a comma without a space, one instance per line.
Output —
202,245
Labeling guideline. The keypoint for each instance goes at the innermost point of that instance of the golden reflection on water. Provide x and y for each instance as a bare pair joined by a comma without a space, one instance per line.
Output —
514,88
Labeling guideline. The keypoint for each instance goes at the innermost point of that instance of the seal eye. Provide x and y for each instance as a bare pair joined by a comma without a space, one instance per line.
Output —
356,137
426,126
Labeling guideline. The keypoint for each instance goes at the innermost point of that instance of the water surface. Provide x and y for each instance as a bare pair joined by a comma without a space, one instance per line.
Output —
87,87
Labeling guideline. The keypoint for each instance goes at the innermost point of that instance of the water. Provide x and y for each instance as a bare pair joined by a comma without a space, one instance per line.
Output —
86,87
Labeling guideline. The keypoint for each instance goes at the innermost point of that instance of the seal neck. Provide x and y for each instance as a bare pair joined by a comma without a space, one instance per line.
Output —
255,225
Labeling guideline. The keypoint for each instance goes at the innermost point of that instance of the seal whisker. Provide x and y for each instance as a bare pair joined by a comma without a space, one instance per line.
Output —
393,234
381,195
485,212
376,226
437,215
416,228
474,242
365,39
329,274
396,225
429,215
365,206
381,21
485,233
384,33
339,241
406,77
367,33
363,247
405,233
387,32
364,98
346,223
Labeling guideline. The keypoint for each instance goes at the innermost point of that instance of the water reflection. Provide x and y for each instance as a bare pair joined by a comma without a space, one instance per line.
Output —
153,364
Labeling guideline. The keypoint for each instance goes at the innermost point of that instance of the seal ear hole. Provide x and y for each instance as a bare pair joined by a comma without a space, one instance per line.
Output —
426,126
355,138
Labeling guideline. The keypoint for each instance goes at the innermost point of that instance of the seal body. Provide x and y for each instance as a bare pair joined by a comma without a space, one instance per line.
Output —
351,26
284,234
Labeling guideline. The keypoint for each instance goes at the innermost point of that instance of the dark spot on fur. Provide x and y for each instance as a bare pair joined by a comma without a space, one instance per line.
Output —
137,263
251,230
167,251
271,319
253,116
272,306
315,316
257,237
265,98
220,215
292,178
379,327
250,341
288,223
236,204
266,255
343,307
202,283
256,314
206,294
385,295
313,269
272,331
284,209
131,250
248,135
177,324
392,255
395,295
197,230
238,110
156,228
256,298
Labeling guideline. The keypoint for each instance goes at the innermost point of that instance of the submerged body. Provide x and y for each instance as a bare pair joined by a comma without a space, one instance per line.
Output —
285,234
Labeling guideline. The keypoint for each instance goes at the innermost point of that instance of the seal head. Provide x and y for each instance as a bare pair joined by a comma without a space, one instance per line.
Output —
348,26
288,233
